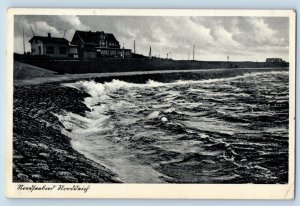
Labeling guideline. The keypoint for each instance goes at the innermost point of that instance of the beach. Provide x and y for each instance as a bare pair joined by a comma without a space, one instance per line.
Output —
48,106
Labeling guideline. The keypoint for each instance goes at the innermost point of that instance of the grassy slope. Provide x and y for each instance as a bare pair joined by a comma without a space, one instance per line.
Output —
25,71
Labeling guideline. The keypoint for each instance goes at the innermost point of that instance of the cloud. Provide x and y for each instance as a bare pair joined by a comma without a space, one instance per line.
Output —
74,21
215,38
44,27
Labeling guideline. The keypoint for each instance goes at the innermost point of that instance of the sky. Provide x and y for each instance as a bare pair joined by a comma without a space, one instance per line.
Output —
215,38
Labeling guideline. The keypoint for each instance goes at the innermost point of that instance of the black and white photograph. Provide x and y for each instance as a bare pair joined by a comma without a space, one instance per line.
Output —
152,99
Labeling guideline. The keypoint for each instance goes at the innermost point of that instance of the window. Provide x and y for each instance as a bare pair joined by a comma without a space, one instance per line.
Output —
49,49
89,49
62,50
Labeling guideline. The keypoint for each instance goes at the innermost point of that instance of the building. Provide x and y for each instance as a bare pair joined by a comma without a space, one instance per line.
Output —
275,60
49,46
91,45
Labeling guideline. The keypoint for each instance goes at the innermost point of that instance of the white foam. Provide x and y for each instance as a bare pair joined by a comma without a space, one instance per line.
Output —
164,119
98,120
153,115
103,89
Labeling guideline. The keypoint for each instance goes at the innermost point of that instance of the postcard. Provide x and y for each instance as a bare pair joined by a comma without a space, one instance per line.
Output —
150,103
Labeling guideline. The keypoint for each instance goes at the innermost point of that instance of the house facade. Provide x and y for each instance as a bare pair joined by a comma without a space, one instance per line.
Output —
49,46
92,45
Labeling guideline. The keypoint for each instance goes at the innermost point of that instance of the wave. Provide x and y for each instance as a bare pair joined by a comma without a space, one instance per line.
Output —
149,127
101,89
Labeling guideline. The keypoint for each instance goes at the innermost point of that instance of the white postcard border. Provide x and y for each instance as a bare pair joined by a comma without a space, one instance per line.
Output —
157,191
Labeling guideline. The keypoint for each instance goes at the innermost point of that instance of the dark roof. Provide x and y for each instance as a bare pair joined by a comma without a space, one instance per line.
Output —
89,37
110,37
54,40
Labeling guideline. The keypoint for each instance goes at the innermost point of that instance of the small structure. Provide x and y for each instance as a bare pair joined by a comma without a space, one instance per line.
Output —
91,45
49,46
275,60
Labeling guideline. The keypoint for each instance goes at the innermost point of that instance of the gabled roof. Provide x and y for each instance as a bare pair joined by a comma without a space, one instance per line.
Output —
54,40
110,37
89,37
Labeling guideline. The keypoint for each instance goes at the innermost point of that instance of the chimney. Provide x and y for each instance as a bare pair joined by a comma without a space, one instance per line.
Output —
49,35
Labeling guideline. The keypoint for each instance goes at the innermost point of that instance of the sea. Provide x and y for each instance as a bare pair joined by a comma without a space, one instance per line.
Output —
221,130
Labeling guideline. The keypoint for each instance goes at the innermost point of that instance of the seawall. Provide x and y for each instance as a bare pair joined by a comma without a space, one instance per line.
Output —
137,64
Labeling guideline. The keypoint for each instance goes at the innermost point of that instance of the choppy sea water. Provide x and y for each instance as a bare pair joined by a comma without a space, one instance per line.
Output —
224,130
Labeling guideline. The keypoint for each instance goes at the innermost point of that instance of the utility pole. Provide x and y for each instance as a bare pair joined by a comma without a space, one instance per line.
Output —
150,55
24,42
31,30
193,52
123,52
228,58
64,33
134,46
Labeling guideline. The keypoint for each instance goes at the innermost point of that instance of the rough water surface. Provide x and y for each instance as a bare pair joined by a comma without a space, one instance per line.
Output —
221,130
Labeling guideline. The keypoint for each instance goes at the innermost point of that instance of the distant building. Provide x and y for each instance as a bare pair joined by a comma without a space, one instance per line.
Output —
275,60
49,46
91,45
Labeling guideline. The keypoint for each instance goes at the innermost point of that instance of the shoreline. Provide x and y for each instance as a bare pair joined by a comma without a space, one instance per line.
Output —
41,152
47,76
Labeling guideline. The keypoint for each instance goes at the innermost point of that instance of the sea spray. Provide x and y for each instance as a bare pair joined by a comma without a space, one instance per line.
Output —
215,130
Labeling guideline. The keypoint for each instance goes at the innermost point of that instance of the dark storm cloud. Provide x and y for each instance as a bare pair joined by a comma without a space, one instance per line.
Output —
241,38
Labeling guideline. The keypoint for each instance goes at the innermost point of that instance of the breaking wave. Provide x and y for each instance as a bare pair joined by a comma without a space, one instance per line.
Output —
189,131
